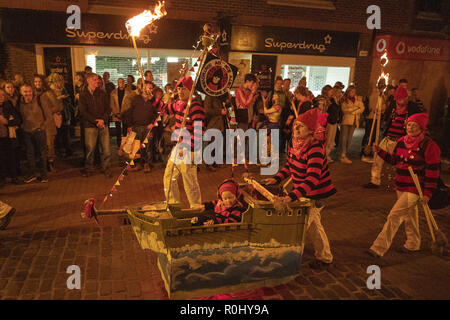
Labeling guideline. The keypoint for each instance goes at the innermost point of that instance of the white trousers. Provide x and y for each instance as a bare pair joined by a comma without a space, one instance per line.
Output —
404,210
387,145
317,235
188,173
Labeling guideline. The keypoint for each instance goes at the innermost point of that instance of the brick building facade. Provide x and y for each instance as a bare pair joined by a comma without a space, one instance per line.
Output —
397,17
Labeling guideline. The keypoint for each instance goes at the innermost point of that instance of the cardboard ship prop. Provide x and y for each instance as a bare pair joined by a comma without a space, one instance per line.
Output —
264,249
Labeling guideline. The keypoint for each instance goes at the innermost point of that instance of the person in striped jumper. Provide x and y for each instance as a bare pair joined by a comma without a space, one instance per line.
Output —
226,209
423,155
181,160
395,131
307,165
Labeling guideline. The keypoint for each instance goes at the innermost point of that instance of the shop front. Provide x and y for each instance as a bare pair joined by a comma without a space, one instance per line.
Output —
103,43
424,62
323,57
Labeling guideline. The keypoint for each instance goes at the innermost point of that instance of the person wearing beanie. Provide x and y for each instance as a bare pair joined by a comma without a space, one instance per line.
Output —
422,154
181,160
226,209
307,165
395,130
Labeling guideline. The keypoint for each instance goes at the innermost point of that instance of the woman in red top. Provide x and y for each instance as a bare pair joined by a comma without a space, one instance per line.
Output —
308,167
423,155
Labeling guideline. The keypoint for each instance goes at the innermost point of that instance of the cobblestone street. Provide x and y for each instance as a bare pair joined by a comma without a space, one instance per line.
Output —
47,234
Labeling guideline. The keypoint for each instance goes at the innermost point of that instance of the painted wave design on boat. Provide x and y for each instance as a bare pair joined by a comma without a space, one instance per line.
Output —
246,264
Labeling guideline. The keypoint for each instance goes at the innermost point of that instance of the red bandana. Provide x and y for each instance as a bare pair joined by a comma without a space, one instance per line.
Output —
413,142
299,146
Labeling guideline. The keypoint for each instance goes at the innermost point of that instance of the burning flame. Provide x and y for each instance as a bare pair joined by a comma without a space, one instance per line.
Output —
137,23
384,76
385,58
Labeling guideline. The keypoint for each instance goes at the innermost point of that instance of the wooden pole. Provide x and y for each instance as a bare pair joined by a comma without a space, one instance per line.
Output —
188,106
427,212
138,60
378,117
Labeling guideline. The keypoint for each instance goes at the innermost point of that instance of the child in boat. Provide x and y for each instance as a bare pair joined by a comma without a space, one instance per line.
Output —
226,209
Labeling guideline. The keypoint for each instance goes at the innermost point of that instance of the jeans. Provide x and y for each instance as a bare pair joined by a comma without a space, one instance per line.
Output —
90,136
51,155
36,143
346,138
63,139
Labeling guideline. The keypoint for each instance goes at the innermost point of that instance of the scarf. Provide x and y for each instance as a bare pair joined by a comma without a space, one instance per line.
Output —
413,142
401,108
299,146
352,99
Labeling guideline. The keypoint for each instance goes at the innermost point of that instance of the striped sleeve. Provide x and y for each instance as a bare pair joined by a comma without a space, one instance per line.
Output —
314,165
432,161
197,115
389,158
210,205
284,173
229,216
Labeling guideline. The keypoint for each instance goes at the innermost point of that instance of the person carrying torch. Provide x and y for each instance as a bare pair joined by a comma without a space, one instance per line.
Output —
422,154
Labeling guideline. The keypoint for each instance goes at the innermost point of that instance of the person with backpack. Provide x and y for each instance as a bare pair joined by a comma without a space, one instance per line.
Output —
420,152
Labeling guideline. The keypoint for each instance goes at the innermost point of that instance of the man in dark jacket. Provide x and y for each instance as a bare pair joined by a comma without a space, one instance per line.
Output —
141,118
34,119
94,111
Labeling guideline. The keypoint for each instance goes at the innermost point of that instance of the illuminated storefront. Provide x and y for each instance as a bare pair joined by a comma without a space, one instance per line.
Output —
323,57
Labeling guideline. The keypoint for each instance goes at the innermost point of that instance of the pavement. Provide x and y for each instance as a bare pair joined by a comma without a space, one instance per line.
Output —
47,234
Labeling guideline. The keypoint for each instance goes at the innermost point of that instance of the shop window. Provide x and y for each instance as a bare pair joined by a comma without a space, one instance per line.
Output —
429,9
164,69
316,76
314,4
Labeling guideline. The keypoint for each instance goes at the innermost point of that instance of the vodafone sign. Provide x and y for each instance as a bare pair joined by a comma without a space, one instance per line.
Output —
412,48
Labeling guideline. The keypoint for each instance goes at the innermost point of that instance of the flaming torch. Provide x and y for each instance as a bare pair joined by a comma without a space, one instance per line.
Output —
139,22
382,83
